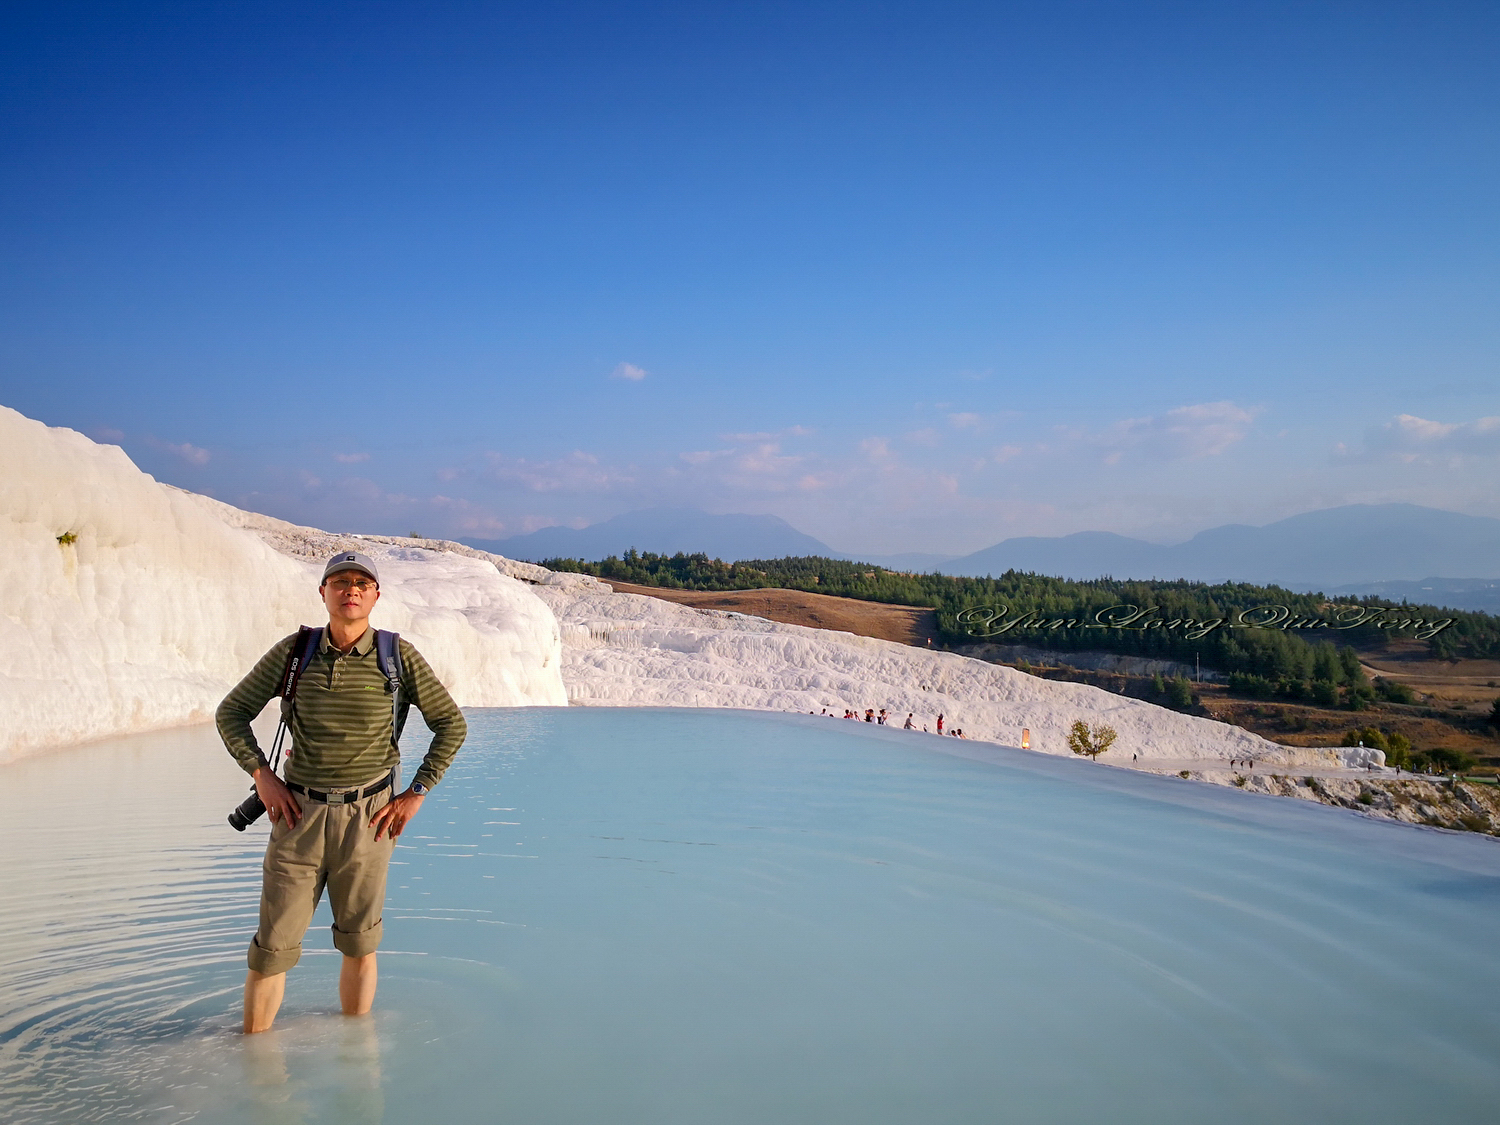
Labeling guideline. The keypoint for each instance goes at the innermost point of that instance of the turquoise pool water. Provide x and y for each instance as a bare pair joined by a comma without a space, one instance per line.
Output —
714,916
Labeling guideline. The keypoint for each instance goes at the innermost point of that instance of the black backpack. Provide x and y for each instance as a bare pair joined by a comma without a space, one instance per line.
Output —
387,658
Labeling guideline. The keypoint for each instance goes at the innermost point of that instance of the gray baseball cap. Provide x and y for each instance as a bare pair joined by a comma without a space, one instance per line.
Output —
350,560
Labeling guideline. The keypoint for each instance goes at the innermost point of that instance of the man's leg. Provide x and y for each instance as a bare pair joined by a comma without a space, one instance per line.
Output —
291,884
357,984
263,993
357,866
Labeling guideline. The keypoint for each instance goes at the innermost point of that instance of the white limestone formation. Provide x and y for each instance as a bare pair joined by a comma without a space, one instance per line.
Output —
631,650
128,605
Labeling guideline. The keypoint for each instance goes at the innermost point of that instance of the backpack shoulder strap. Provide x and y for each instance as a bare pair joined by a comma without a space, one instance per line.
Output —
308,639
388,657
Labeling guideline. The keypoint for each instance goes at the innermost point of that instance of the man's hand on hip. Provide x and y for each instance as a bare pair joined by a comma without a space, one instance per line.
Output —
394,815
276,797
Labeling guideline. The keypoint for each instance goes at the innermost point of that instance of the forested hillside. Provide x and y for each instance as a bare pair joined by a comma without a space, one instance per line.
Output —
1271,640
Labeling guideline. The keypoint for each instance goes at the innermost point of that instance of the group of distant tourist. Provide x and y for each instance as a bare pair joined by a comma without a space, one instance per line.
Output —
884,718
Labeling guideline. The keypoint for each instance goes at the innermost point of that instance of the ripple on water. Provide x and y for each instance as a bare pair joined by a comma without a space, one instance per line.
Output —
719,916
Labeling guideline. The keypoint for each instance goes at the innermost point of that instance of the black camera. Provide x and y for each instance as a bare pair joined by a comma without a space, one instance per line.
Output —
247,812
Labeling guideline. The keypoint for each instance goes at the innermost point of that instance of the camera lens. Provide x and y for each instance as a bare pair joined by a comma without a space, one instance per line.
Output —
247,812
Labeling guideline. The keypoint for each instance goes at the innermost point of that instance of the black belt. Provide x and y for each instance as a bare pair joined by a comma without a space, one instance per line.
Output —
345,798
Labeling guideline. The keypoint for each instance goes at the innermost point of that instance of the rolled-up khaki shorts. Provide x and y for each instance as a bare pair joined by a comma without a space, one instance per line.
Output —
333,845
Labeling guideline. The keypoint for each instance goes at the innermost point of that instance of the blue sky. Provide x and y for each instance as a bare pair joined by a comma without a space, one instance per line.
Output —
913,277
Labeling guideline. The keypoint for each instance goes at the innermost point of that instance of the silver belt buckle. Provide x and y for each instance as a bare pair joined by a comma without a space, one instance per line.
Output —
338,794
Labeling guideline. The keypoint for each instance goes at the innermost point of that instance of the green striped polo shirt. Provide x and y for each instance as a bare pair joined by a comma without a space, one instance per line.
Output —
341,721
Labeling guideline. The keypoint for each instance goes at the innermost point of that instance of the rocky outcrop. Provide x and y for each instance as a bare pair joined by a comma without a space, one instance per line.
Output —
1462,806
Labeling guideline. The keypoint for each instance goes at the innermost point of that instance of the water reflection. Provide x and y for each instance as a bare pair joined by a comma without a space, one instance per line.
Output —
314,1070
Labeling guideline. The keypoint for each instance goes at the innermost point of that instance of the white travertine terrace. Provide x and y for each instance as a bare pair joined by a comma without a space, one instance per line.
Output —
129,605
159,603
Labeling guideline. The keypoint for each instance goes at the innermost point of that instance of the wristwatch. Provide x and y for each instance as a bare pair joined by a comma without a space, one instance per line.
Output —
419,789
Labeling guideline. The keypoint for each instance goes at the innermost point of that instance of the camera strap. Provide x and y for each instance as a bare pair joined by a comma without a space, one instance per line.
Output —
308,639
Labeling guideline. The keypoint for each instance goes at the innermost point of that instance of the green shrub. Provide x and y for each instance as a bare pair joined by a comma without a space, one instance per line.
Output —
1393,692
1448,760
68,538
1248,683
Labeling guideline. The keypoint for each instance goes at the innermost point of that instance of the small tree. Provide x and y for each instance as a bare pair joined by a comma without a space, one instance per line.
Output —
1349,664
1495,714
1093,741
1180,692
1373,737
1325,693
1399,754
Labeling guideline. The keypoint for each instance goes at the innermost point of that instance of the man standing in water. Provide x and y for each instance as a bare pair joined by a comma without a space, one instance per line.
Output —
334,820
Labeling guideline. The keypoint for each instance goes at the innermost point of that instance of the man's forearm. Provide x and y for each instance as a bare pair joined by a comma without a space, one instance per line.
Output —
449,733
439,712
239,739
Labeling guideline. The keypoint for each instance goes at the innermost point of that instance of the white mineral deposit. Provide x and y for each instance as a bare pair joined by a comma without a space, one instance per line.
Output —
129,605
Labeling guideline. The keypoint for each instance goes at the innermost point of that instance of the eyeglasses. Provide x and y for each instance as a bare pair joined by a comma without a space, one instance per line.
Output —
344,585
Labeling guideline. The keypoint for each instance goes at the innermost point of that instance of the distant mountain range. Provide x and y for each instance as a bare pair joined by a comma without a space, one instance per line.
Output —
664,531
1390,550
1335,547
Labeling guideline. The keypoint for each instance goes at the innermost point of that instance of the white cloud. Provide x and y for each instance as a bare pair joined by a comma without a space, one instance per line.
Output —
769,435
350,458
964,421
628,371
1408,438
469,517
1182,433
765,459
577,472
1204,429
192,454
